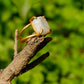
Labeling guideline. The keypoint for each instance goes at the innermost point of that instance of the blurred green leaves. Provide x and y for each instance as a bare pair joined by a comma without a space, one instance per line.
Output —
65,65
23,7
5,15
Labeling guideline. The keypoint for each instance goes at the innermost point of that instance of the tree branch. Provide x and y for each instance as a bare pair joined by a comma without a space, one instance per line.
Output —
21,60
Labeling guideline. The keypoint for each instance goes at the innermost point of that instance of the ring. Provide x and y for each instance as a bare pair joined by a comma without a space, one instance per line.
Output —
39,25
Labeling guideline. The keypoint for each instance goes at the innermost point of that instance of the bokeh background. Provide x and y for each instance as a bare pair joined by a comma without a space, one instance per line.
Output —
65,65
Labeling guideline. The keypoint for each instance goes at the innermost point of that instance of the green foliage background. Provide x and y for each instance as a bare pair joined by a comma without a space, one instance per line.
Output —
65,65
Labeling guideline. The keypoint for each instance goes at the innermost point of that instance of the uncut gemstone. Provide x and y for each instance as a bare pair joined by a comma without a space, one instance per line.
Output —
41,23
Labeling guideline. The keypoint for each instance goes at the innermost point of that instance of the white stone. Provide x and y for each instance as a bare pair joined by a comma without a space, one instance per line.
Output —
40,23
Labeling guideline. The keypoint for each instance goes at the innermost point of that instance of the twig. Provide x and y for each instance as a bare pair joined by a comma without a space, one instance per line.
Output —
37,61
16,43
34,63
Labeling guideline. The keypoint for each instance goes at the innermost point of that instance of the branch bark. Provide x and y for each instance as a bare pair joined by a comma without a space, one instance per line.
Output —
20,64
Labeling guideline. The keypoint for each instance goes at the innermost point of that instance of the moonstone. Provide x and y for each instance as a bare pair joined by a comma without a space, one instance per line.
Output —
40,23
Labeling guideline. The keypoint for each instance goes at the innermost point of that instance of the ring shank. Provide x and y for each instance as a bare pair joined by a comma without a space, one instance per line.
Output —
23,39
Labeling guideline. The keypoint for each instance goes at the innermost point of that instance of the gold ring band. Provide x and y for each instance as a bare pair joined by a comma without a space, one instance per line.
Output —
25,38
